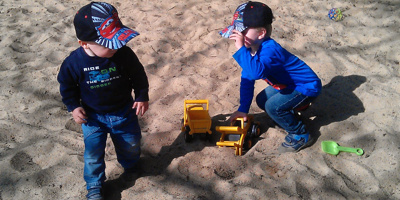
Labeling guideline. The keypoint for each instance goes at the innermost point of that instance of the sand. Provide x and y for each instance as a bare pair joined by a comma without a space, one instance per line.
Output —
357,60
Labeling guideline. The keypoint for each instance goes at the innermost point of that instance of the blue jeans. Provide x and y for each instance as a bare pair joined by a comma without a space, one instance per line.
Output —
279,107
125,133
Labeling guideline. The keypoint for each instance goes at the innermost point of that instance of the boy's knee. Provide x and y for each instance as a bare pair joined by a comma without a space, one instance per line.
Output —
261,100
269,108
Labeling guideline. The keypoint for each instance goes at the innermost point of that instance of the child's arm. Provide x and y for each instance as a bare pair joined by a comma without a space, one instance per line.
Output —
253,65
140,85
134,70
236,115
246,97
141,107
69,88
246,94
238,37
140,82
79,115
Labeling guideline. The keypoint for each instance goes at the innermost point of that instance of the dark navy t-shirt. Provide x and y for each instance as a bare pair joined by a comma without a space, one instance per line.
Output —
102,84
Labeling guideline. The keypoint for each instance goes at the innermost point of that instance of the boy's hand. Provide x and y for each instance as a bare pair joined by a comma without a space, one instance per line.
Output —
238,37
79,115
236,115
141,107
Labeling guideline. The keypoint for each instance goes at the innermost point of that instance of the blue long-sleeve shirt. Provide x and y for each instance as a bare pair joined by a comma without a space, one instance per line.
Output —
280,68
102,84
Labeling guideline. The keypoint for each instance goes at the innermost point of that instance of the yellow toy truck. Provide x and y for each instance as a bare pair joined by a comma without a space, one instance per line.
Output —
196,119
240,135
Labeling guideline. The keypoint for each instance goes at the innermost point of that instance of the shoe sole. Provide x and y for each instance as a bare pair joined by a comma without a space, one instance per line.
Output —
309,143
282,149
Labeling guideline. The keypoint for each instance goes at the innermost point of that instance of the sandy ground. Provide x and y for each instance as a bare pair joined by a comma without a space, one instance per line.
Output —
185,58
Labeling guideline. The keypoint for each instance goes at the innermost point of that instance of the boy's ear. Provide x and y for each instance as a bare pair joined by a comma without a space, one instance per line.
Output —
262,33
83,44
265,32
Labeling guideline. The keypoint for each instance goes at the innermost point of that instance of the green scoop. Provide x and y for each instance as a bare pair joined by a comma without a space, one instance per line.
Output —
333,148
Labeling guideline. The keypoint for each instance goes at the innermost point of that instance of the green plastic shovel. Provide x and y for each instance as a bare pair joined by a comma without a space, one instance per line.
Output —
333,148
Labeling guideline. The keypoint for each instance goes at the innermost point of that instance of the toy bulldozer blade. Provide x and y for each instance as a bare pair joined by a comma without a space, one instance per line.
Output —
240,135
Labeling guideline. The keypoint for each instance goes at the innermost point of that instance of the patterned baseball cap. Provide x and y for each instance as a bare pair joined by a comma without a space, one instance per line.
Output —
99,22
237,22
250,14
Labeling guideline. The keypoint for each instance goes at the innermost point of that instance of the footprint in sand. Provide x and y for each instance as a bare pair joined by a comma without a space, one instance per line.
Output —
23,162
72,126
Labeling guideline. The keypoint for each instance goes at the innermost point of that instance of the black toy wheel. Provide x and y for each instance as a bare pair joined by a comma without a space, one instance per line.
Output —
248,143
255,131
182,122
186,135
208,137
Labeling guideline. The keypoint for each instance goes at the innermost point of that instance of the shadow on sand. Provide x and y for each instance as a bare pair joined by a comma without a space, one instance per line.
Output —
337,102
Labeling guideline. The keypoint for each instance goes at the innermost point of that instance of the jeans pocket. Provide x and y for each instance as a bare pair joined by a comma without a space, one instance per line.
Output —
88,129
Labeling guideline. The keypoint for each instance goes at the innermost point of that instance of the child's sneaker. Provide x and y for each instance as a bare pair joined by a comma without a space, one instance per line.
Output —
94,193
294,143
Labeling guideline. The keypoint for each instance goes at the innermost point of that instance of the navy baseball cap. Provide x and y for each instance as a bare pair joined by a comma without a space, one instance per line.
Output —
250,14
99,22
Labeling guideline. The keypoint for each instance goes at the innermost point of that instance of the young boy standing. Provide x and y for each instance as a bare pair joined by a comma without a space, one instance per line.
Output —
292,82
96,82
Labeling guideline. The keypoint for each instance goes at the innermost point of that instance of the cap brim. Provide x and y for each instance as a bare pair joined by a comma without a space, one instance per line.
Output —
237,22
229,30
119,39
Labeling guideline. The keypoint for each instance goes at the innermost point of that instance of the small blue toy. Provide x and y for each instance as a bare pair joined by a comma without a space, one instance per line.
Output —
335,14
